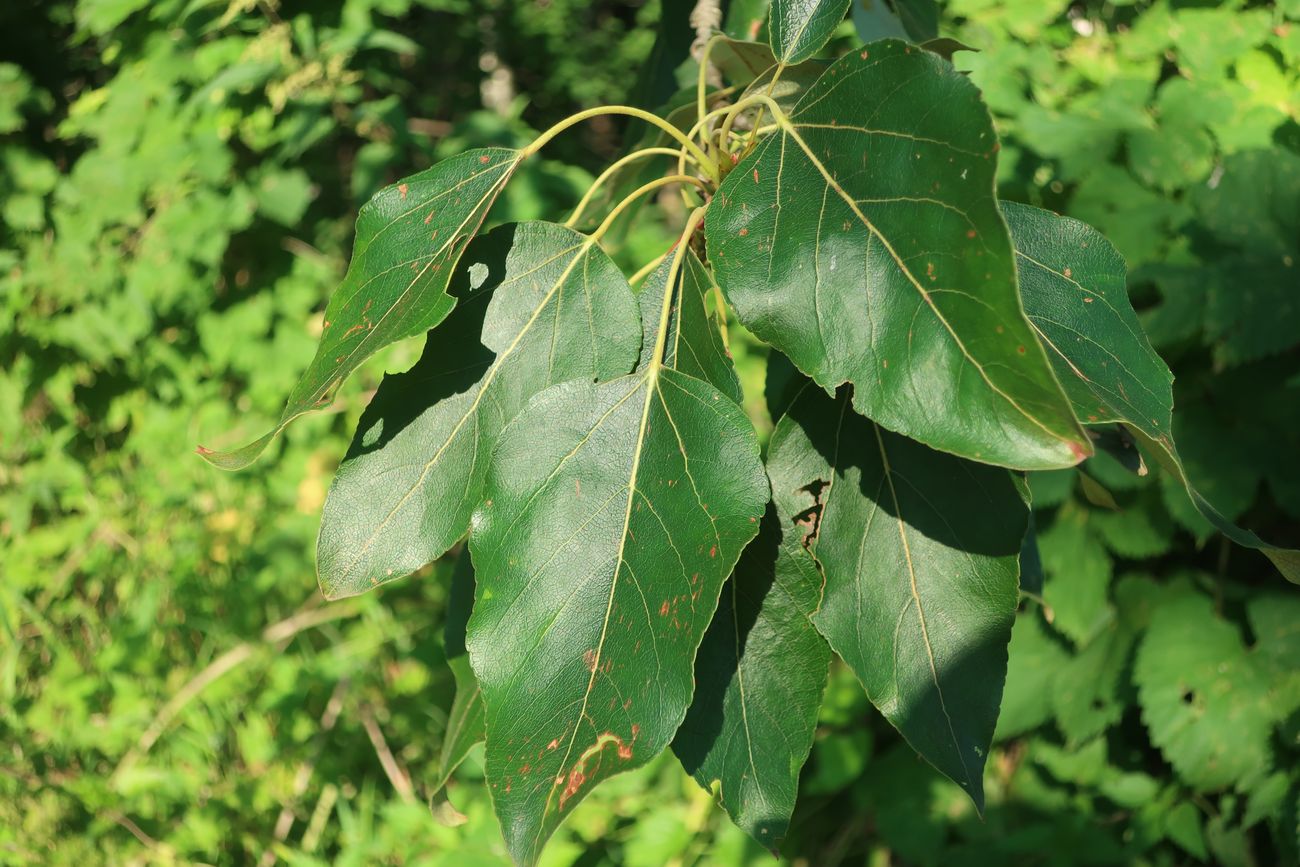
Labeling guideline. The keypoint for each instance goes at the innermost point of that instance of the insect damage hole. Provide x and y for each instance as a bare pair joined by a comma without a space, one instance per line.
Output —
810,519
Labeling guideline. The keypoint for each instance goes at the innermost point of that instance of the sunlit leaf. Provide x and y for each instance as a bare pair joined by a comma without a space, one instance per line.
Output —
614,513
540,304
408,240
1204,699
863,240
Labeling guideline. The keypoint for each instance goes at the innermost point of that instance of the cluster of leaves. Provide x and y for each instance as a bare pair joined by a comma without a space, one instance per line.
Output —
176,197
129,570
930,346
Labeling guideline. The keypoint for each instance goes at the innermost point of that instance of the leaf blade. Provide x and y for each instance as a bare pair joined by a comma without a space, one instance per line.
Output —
1073,283
408,242
906,535
614,483
797,29
401,503
760,674
855,206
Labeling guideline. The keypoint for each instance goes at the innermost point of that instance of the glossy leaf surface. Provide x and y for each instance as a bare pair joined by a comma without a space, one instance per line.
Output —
1073,280
409,238
759,680
920,552
797,29
863,240
542,304
613,514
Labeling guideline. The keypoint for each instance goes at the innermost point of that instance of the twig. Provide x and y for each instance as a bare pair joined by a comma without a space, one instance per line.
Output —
392,769
125,821
284,823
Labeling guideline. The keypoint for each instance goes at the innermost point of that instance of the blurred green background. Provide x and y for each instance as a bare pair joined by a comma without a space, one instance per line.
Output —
177,184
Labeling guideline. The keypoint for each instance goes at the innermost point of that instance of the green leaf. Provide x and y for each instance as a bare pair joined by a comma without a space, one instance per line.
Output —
920,551
614,513
540,304
863,240
759,679
1254,211
1204,699
1078,574
1085,691
797,29
752,66
409,238
465,721
1275,622
1034,663
914,20
1072,281
694,344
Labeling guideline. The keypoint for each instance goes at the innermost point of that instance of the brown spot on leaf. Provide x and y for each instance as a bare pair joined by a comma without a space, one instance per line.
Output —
401,190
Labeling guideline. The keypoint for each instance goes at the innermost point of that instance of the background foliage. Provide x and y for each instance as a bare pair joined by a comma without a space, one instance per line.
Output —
178,185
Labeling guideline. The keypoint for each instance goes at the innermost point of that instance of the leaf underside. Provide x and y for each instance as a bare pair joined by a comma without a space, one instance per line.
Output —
541,304
836,226
920,553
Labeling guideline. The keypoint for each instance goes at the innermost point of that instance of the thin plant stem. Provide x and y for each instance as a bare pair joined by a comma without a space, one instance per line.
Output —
638,193
701,103
648,267
654,120
614,167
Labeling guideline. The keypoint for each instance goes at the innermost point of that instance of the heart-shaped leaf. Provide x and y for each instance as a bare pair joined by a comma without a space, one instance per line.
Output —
920,553
613,514
1072,280
863,240
542,304
409,237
